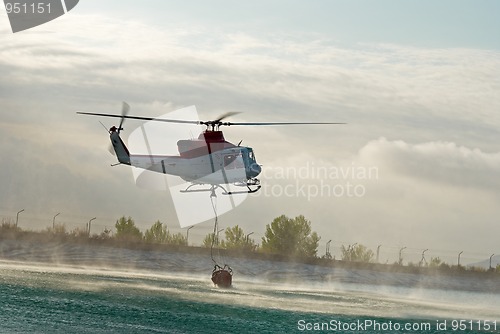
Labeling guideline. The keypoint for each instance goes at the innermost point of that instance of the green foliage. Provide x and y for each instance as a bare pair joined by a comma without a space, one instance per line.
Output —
358,253
291,236
159,234
7,224
237,239
156,234
79,233
126,230
212,238
435,262
476,269
177,239
105,235
60,229
444,266
208,241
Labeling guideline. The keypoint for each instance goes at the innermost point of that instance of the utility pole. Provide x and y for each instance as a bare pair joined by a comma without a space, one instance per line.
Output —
400,256
88,229
423,258
327,252
459,258
17,217
54,222
187,235
248,235
378,251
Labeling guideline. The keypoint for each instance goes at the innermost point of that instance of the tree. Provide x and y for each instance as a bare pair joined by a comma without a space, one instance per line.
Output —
105,235
59,229
126,230
236,239
8,224
435,262
156,234
291,236
358,253
209,240
176,239
79,233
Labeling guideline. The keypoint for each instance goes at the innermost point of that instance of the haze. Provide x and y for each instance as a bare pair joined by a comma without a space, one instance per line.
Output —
417,83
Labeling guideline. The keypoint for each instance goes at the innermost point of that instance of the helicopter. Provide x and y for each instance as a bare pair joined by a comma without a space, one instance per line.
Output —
206,160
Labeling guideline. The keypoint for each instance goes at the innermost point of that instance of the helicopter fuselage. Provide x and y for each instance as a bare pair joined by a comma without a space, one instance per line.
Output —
206,160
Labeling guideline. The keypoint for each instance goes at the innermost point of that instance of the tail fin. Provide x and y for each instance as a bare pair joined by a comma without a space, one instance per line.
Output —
121,150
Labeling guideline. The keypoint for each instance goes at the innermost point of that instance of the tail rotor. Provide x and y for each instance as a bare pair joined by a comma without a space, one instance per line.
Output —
125,111
113,129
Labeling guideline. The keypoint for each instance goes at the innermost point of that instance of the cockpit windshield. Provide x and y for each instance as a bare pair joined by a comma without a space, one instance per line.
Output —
251,155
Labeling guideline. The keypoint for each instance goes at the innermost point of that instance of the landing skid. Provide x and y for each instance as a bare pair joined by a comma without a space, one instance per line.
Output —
252,183
249,191
211,189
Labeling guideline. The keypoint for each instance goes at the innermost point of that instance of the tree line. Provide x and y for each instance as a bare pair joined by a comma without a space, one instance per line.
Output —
289,237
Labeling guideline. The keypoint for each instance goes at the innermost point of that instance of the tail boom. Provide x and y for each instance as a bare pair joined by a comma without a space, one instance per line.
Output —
121,150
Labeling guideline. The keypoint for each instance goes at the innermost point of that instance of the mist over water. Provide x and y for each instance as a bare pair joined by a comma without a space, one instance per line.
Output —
79,288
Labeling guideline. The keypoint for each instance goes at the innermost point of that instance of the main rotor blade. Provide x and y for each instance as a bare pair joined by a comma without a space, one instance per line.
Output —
142,118
216,122
226,115
279,123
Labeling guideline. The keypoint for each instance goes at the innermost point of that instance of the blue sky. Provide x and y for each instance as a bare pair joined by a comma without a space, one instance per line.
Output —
442,24
417,82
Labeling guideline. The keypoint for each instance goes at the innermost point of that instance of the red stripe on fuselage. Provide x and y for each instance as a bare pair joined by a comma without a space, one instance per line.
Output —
207,143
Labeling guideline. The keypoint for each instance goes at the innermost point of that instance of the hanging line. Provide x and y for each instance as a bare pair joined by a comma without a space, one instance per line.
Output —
213,199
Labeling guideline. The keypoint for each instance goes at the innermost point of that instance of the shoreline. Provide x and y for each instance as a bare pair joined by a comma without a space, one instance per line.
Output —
13,240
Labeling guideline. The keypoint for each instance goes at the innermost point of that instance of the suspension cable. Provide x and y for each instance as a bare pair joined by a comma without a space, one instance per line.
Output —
213,199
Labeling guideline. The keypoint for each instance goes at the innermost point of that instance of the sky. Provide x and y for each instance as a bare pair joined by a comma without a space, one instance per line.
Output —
416,81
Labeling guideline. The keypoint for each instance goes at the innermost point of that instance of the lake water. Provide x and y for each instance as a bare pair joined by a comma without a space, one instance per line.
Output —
80,289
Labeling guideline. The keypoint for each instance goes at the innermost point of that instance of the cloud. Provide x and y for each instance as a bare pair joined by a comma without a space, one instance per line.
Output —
444,99
414,93
442,163
436,195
